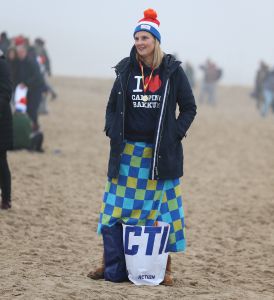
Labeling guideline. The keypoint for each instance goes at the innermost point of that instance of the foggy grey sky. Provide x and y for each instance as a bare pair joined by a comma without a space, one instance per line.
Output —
87,38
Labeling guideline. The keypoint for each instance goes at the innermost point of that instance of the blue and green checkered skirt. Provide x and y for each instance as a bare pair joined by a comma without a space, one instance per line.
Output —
134,199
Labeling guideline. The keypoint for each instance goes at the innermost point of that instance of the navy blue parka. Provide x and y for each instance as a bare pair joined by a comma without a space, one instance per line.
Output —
167,160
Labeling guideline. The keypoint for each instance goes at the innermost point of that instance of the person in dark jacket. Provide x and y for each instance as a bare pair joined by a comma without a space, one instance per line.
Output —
268,93
258,93
28,74
4,43
190,73
146,154
5,132
12,63
212,74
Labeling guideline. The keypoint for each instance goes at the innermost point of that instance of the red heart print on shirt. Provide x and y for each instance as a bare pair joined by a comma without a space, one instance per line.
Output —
154,84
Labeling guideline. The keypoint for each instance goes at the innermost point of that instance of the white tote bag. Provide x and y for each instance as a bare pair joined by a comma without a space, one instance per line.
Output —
20,98
145,252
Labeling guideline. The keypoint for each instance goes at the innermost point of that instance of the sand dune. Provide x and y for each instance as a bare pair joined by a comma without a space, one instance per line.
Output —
48,241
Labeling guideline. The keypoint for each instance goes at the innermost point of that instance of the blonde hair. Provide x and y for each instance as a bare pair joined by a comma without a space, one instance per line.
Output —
157,56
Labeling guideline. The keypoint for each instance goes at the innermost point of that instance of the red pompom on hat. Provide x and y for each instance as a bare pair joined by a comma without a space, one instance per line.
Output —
150,15
149,23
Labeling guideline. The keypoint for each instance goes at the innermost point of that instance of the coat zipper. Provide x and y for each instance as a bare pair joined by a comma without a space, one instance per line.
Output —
156,149
119,75
123,94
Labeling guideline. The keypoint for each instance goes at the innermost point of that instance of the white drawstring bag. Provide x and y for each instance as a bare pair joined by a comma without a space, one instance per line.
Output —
20,98
145,252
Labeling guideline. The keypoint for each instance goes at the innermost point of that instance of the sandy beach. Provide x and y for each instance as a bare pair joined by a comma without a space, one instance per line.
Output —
48,240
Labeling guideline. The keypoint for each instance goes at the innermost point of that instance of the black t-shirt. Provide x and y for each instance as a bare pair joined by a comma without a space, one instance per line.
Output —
142,112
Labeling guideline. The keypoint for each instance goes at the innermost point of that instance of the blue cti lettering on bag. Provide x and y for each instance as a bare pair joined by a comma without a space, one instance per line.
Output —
137,232
163,240
151,231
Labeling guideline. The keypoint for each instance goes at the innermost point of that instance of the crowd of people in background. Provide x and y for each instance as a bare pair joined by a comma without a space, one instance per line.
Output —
24,88
30,69
263,92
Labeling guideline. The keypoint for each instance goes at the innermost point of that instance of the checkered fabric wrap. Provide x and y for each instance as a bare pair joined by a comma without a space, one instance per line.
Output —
135,199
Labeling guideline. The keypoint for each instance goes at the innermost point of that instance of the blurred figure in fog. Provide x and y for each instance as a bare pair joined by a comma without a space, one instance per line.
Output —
40,50
4,43
5,132
190,74
261,75
268,93
208,88
44,64
12,61
29,75
44,61
30,48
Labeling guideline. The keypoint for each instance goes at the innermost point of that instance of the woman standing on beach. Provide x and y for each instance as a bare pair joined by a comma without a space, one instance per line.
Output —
5,132
146,155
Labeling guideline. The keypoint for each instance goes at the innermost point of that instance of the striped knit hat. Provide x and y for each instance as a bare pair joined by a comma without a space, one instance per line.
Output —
149,23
